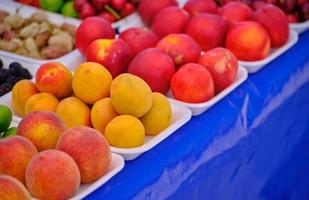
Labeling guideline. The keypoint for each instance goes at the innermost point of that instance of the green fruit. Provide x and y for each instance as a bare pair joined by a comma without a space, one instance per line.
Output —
51,5
9,132
5,118
68,9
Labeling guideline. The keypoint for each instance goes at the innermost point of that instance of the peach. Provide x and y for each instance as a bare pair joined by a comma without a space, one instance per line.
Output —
139,38
181,48
12,189
236,11
42,128
89,149
194,7
222,65
91,29
149,8
164,22
115,55
208,30
73,112
52,174
41,101
248,41
15,153
21,92
102,112
192,83
54,78
275,22
158,71
91,82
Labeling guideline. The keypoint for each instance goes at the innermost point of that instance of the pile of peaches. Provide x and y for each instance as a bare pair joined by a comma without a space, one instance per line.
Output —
190,51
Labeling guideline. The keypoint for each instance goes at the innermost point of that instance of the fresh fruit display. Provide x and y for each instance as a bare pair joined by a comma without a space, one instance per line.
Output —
11,188
111,10
35,36
11,75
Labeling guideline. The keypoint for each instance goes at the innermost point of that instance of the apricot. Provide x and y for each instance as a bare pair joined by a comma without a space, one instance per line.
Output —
41,101
15,153
54,78
89,149
248,41
91,82
125,131
208,30
12,189
115,55
164,22
130,95
21,92
52,174
73,112
102,112
182,48
42,128
159,116
139,38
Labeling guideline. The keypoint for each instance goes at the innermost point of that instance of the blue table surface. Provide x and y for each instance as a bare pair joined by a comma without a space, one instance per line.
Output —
251,145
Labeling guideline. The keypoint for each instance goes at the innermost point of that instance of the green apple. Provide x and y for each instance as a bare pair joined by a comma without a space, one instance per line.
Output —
51,5
68,9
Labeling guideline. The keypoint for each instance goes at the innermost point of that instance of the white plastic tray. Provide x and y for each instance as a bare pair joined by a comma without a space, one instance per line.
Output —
199,108
300,27
71,60
254,66
180,116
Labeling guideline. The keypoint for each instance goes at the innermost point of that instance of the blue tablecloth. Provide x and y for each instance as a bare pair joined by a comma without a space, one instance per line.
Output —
254,144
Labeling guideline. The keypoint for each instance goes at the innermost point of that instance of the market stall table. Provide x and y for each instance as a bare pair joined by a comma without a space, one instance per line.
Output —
251,145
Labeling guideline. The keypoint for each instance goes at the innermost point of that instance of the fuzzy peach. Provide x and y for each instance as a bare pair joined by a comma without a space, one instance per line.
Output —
52,174
94,158
42,128
15,153
12,189
248,41
181,48
54,78
115,55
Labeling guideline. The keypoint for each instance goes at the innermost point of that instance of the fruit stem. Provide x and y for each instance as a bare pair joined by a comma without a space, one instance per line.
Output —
112,11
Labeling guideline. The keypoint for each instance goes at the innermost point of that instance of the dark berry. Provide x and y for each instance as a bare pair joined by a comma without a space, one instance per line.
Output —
15,65
1,64
4,88
3,75
24,73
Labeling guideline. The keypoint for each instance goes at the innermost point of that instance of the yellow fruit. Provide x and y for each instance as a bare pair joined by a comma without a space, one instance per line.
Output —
102,113
21,92
41,101
91,82
74,112
125,131
159,116
130,95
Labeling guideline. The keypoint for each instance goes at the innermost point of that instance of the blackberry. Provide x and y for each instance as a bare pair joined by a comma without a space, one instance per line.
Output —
3,75
1,64
14,68
24,73
4,88
15,65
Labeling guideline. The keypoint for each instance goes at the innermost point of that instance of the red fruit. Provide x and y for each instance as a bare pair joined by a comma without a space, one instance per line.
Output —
108,16
78,4
139,38
236,11
222,65
36,3
275,22
99,4
208,30
164,22
86,11
127,10
305,11
194,7
149,8
158,71
292,18
258,5
91,29
192,83
118,4
25,1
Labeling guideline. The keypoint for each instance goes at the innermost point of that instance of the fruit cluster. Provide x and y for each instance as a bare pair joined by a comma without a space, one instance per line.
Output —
47,158
10,76
35,36
123,109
